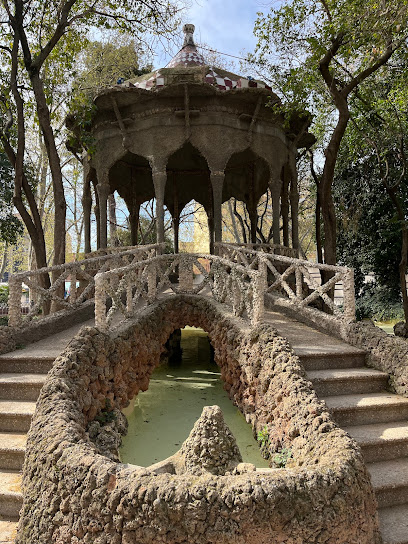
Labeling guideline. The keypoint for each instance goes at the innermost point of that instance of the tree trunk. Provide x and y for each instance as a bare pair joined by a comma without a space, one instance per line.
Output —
328,211
55,167
112,221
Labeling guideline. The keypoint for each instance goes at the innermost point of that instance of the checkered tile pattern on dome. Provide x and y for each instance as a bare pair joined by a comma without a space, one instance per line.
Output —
188,56
222,83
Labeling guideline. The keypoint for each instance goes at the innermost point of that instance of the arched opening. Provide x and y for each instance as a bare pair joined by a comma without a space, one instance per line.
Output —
247,178
161,418
131,177
188,179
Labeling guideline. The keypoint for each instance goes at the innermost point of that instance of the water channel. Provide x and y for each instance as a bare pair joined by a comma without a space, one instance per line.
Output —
161,418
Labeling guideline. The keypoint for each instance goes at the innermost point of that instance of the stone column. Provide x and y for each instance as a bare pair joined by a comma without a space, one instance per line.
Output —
87,207
159,175
134,222
275,190
103,192
98,220
217,182
253,217
176,227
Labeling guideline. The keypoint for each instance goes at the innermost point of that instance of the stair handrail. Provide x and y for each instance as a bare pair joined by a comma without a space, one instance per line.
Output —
83,271
276,278
277,249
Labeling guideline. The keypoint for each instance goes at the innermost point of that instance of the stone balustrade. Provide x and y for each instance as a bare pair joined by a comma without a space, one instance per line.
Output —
276,249
239,287
82,272
292,278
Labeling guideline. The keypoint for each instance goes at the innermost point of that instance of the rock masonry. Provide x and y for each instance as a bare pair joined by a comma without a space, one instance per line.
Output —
76,490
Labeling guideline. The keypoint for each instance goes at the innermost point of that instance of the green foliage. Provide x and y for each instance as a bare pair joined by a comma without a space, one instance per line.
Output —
147,235
106,415
281,459
263,437
3,320
4,293
100,67
378,303
10,226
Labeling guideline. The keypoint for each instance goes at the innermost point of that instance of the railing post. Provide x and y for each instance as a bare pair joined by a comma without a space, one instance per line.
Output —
299,283
151,281
349,297
186,274
100,303
129,295
259,288
73,288
14,302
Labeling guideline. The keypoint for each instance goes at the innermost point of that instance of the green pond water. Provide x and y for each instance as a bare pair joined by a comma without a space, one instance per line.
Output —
161,418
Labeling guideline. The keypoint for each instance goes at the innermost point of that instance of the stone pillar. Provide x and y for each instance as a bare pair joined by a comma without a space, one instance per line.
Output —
275,189
217,182
159,175
134,214
176,227
210,221
87,207
98,222
103,192
253,217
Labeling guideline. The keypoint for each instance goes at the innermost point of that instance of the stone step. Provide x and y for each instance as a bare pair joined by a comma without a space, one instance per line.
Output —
21,386
16,362
381,441
326,360
394,524
8,530
11,499
15,416
12,449
369,408
347,381
390,481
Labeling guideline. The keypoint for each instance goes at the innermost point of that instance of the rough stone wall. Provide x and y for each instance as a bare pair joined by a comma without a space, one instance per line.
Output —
75,493
384,352
7,340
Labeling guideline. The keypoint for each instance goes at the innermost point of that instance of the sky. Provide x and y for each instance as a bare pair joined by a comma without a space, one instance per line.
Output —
224,25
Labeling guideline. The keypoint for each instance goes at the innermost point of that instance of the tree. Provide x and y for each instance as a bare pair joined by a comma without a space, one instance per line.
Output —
10,225
377,146
32,34
327,51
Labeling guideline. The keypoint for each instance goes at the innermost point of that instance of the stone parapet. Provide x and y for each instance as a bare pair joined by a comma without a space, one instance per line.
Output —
75,491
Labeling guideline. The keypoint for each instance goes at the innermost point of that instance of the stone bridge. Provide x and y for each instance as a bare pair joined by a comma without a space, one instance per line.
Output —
290,359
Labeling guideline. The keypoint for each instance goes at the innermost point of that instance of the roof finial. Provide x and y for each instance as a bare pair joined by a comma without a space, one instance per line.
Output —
188,31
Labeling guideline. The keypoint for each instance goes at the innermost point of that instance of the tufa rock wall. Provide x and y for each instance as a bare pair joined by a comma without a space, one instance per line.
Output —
75,490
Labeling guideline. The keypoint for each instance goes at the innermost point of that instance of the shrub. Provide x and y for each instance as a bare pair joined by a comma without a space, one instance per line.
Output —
4,293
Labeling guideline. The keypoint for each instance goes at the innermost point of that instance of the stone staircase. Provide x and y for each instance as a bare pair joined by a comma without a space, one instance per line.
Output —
21,378
355,395
357,398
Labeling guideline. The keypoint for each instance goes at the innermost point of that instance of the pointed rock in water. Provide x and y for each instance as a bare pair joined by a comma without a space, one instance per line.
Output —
211,446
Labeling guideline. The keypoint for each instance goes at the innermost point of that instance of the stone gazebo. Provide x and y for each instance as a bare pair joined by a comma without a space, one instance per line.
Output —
193,131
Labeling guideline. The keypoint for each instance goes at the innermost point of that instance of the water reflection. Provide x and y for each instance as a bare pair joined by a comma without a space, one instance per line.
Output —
161,418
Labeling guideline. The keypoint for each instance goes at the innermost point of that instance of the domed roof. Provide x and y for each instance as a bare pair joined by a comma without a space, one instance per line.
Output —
190,57
188,54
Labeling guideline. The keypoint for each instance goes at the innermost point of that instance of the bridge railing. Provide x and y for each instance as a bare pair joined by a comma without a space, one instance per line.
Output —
79,272
126,289
276,249
293,278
